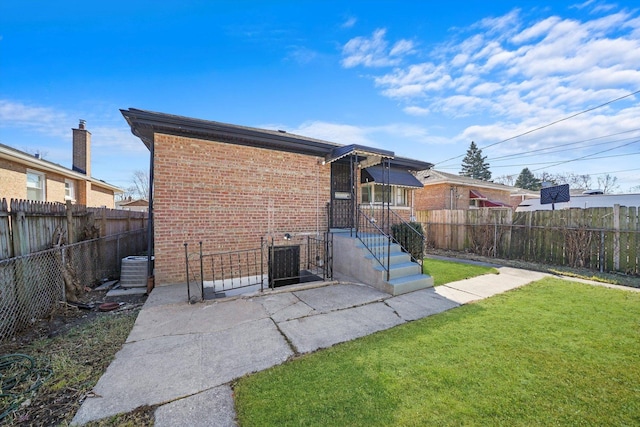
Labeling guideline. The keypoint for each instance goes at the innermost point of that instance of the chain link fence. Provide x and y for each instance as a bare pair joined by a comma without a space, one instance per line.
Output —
31,285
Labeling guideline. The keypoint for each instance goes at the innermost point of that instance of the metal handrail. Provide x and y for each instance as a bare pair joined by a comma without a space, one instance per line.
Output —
377,251
415,233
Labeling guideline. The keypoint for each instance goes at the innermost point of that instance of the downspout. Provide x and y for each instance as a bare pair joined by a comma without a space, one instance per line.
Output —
150,245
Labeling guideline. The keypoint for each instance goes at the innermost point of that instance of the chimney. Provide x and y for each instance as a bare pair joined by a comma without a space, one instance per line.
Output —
82,149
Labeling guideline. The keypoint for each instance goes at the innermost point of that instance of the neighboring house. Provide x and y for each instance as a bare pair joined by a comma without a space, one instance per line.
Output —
131,204
582,201
519,195
228,186
449,191
27,177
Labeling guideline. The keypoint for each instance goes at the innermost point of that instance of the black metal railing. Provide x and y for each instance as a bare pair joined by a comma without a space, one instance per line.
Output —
373,237
301,259
409,236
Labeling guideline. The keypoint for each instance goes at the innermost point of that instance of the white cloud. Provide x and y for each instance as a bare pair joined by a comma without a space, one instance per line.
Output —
374,51
549,67
416,111
349,23
41,119
301,55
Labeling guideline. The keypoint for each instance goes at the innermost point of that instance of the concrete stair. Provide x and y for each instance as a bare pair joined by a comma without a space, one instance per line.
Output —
404,274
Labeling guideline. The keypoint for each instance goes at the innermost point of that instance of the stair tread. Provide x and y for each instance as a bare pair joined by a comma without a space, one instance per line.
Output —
405,279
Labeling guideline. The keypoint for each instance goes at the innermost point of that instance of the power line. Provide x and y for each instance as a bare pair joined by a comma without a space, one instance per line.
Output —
548,125
591,155
552,163
520,154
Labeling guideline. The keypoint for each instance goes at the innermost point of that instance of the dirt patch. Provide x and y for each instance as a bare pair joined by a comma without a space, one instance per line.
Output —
70,350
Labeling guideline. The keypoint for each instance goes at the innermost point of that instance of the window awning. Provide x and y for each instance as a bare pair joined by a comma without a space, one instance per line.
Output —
473,194
485,202
361,151
397,177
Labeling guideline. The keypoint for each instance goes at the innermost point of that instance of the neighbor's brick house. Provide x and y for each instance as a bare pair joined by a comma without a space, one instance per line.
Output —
449,191
27,177
228,186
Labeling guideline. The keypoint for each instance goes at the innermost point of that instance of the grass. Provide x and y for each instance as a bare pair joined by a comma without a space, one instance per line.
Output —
551,353
76,359
448,271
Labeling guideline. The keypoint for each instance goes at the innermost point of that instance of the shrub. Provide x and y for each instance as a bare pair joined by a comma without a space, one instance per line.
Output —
411,237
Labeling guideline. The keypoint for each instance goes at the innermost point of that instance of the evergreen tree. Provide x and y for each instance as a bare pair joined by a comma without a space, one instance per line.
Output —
527,180
474,165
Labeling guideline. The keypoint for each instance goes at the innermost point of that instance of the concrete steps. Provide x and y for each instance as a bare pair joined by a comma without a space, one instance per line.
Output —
404,274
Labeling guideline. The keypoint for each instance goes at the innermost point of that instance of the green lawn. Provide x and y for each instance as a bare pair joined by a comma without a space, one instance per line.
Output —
447,271
551,353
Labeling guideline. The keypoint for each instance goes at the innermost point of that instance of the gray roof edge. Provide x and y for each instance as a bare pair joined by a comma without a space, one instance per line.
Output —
143,123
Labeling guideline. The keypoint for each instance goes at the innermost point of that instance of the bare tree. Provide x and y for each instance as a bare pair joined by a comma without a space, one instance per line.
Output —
575,181
608,184
505,180
140,185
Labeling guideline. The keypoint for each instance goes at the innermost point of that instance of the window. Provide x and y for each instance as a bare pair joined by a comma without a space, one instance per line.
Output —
69,190
35,186
366,194
402,196
374,194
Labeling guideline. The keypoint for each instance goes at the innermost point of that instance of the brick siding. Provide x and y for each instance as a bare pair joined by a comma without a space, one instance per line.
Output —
228,196
439,196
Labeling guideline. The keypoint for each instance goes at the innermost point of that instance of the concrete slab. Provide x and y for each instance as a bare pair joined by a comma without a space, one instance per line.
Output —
128,291
452,294
331,298
163,369
207,317
106,285
419,304
283,307
167,294
492,284
324,330
212,407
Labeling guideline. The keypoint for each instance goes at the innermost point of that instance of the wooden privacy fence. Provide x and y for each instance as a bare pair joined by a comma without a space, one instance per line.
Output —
28,226
604,239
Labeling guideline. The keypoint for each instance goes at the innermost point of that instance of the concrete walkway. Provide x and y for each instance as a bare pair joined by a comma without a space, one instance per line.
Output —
183,357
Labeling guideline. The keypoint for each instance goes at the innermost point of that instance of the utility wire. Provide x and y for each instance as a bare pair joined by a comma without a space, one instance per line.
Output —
520,154
551,163
548,124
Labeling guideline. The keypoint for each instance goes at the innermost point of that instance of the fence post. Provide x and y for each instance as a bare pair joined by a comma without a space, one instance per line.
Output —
616,237
602,251
71,238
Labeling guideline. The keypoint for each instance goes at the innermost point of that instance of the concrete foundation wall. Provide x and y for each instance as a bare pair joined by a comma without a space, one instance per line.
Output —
349,260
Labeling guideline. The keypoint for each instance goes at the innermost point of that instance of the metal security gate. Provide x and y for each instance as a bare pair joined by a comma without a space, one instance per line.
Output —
301,259
342,195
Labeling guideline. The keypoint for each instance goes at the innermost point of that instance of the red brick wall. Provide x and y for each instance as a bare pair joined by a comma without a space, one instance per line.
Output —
228,196
431,197
438,196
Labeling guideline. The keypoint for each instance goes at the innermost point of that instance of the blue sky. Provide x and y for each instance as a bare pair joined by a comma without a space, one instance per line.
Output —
420,78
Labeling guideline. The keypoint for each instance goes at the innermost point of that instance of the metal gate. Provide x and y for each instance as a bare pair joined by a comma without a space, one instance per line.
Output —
301,259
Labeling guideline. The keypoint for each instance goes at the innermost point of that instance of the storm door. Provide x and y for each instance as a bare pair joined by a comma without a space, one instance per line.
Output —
342,209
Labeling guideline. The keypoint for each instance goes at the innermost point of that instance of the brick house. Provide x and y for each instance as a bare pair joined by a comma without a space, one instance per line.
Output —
27,177
449,191
228,186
